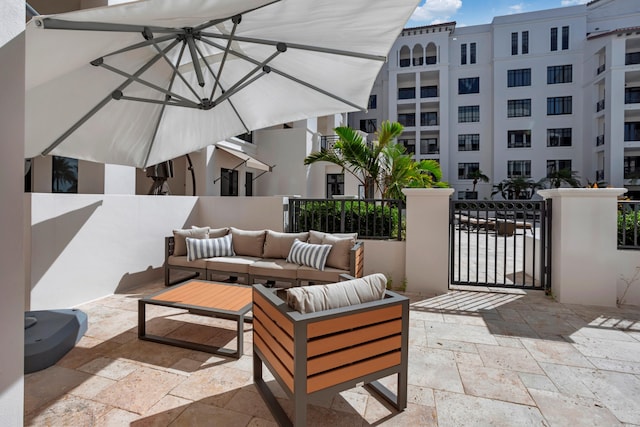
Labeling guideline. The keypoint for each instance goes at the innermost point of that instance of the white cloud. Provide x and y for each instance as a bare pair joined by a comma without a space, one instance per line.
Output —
516,8
572,2
435,11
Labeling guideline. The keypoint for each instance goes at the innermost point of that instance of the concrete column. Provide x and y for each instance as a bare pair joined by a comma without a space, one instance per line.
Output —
583,245
427,241
12,226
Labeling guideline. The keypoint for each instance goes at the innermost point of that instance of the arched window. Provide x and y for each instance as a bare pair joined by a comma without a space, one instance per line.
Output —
418,55
405,56
432,53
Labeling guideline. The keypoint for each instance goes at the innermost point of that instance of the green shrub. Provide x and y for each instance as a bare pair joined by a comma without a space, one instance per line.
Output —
628,223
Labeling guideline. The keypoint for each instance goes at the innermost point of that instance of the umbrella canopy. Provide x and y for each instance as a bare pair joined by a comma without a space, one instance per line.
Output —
143,82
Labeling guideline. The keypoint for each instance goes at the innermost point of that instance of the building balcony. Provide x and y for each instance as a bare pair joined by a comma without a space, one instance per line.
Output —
632,95
600,105
600,175
632,58
600,69
327,142
599,140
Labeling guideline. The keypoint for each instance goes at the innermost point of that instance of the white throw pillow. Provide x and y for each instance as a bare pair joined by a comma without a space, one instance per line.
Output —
209,248
314,256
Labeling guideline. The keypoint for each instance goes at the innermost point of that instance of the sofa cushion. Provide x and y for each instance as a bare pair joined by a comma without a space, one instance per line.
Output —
248,242
310,299
209,248
340,254
181,261
179,236
302,253
328,275
278,245
231,264
218,232
316,237
277,268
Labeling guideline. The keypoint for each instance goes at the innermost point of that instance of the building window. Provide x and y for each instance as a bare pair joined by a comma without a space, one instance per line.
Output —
469,142
429,118
519,168
514,43
406,93
368,125
632,131
463,54
468,85
559,137
409,145
518,108
64,175
554,38
554,166
520,77
525,42
519,138
335,184
468,113
248,184
373,102
466,169
429,146
228,182
429,92
472,53
559,74
558,105
631,167
565,38
632,95
407,119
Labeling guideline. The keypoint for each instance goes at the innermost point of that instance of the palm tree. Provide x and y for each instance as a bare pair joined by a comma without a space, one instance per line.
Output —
555,179
354,155
65,175
476,176
516,188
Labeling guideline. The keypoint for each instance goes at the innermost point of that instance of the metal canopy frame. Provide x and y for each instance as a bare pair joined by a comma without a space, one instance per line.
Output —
188,39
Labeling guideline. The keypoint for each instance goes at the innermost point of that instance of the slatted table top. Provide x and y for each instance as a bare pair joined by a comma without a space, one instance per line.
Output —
208,295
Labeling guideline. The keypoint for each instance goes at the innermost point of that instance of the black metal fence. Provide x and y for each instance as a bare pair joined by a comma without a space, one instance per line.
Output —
629,225
370,218
500,243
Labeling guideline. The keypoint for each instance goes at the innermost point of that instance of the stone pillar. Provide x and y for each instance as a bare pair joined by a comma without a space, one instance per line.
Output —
427,240
583,245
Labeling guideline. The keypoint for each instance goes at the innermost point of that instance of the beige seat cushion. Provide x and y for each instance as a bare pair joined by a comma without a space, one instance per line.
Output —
316,237
310,299
248,242
278,245
179,236
329,274
182,261
231,264
214,233
340,253
277,268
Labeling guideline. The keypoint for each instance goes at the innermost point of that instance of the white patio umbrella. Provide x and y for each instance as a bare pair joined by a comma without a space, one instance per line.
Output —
143,82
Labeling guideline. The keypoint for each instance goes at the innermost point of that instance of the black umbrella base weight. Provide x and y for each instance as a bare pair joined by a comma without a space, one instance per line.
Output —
49,335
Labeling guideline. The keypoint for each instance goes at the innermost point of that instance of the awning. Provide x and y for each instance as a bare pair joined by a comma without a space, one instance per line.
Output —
251,162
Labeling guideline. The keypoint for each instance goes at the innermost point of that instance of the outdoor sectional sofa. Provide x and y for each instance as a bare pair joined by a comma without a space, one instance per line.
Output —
261,255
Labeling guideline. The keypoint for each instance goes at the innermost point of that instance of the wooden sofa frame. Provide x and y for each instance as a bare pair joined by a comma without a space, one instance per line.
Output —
356,268
326,352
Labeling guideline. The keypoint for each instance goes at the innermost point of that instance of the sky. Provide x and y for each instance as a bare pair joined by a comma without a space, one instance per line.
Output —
477,12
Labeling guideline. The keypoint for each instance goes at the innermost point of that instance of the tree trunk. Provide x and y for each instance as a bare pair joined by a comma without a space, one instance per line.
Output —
369,188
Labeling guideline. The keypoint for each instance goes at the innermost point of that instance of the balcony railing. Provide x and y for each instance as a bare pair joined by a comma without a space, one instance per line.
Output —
600,175
632,58
600,69
599,140
370,218
629,225
600,105
632,95
327,142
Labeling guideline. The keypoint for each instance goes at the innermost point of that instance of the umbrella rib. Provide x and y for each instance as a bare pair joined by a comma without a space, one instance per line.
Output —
149,84
287,76
61,24
224,56
299,46
175,69
102,103
142,44
157,101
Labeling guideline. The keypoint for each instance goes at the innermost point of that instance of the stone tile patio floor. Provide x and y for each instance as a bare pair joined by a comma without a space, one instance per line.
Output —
475,358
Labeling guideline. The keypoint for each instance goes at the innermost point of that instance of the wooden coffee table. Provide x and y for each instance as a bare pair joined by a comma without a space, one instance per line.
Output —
224,300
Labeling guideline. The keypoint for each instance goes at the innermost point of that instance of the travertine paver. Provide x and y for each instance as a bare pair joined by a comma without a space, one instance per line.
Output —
475,359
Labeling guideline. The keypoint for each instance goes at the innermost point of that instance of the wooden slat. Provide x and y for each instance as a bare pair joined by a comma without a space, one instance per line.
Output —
348,339
282,372
338,359
337,376
273,313
351,321
280,335
278,350
208,295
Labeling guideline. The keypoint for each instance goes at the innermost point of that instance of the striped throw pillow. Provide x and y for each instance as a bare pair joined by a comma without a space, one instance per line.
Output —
307,254
209,248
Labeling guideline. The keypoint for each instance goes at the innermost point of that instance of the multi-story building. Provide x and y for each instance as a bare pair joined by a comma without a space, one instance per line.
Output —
524,96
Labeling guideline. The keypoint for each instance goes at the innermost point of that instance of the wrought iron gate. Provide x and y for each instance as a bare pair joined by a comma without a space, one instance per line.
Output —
500,243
